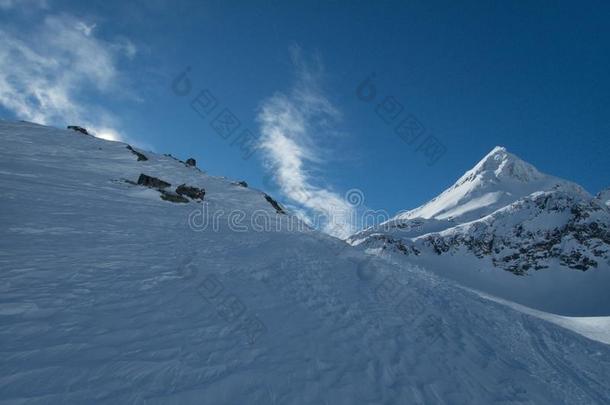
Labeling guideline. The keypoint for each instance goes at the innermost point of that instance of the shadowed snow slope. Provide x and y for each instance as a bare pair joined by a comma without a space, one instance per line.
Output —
108,296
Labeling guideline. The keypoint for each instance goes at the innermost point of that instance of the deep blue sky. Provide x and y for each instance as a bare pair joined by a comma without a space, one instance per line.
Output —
531,77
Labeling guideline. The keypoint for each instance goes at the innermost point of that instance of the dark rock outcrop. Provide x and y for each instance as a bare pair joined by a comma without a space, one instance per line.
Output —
153,182
178,196
542,230
191,192
141,156
172,197
275,204
241,183
169,155
190,162
580,240
79,129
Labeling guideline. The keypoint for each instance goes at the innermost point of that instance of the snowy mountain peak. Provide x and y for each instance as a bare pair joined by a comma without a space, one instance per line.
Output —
498,149
499,164
498,179
504,218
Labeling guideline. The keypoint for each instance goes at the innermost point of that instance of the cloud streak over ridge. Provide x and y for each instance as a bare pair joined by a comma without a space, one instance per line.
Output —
46,72
290,124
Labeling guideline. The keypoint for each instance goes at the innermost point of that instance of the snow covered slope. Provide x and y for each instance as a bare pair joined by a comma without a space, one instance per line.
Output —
111,294
505,215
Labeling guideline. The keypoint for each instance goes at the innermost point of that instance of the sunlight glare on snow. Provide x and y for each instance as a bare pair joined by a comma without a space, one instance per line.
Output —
107,134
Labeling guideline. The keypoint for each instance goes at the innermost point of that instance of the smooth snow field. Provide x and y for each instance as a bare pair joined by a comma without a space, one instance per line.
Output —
111,295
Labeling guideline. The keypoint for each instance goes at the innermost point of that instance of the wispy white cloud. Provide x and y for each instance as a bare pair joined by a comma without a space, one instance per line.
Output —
291,125
84,28
29,4
46,71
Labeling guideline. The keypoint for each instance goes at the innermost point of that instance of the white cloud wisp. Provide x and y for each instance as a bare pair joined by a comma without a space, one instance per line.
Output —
45,73
289,125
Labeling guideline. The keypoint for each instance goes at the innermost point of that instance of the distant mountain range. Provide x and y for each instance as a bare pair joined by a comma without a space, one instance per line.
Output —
505,214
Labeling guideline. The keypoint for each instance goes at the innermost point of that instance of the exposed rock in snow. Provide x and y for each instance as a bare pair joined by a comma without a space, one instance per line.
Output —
141,157
528,233
173,197
194,193
177,196
153,182
78,129
274,204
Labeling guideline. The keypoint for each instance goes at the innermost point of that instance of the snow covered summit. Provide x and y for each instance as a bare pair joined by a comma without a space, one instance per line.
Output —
499,179
505,217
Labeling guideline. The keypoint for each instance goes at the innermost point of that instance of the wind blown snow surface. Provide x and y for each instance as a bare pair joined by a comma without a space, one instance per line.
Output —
109,296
